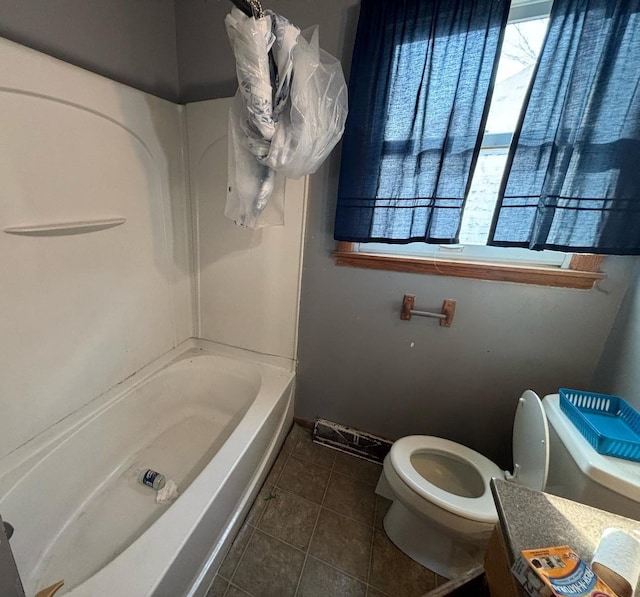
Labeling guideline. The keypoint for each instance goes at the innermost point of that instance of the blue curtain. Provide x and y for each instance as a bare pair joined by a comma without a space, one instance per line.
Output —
420,78
574,176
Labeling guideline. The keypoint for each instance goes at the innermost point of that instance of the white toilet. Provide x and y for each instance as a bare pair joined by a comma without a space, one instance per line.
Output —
443,511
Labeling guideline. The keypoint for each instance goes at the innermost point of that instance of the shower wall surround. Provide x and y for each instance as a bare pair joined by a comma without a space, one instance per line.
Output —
247,280
82,310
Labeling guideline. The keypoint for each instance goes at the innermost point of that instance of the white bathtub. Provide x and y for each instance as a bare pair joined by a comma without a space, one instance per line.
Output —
210,417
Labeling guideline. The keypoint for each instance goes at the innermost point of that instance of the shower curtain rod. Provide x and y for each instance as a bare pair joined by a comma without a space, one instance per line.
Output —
252,8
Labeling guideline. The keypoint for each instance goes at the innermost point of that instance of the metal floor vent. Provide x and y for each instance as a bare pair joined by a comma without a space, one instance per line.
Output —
352,441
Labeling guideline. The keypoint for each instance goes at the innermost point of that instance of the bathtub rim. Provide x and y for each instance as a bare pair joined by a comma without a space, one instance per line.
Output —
202,581
274,377
139,570
18,463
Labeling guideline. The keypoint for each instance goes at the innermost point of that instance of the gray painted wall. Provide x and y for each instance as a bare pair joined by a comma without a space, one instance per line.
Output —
130,41
205,60
618,371
359,364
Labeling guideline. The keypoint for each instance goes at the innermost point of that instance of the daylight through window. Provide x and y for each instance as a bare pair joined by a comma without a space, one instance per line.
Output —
523,40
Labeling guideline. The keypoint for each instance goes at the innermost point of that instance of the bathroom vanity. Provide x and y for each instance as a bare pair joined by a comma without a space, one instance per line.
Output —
532,519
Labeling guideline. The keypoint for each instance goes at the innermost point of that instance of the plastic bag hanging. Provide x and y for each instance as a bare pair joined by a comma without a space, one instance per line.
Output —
288,113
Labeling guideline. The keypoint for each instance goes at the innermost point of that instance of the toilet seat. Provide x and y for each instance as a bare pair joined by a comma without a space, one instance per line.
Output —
530,453
480,509
442,511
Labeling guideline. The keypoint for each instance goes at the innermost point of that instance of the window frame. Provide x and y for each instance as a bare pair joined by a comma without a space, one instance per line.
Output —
583,270
582,274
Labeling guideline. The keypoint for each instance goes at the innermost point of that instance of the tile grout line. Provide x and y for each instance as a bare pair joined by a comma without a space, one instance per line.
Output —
369,526
356,479
281,541
255,528
373,535
333,473
343,572
315,526
244,550
304,499
313,557
274,485
233,574
378,591
333,566
239,589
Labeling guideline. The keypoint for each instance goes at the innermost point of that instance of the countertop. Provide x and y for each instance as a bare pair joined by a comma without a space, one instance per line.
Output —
533,519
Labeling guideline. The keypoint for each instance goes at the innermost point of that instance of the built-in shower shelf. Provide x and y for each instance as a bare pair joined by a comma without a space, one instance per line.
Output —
65,228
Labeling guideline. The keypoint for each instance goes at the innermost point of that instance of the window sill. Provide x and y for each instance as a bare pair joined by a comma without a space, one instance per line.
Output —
543,276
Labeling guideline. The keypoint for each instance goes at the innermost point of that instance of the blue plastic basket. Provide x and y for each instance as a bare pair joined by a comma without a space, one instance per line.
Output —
608,423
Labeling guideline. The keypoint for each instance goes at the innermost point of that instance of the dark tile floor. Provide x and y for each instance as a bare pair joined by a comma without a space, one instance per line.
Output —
315,529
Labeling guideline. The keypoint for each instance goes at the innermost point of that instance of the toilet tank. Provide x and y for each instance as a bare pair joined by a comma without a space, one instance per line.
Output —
579,473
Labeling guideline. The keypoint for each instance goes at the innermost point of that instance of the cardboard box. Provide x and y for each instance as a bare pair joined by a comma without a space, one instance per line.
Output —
558,571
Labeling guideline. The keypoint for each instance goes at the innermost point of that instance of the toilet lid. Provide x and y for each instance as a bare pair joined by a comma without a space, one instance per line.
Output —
530,442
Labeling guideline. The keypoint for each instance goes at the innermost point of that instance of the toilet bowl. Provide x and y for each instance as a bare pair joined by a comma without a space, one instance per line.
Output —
443,512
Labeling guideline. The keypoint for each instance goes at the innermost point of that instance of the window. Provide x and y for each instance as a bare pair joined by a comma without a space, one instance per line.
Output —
523,40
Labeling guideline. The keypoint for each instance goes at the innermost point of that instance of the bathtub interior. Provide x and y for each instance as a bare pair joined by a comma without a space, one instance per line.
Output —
85,494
